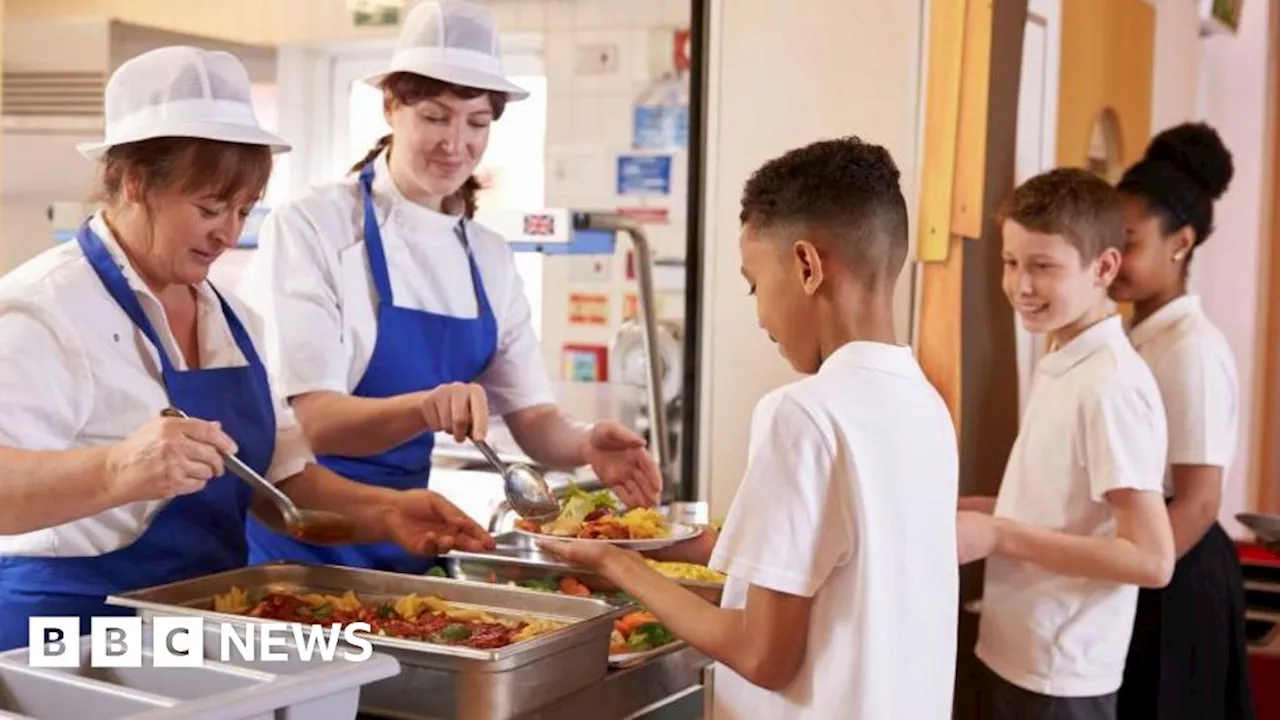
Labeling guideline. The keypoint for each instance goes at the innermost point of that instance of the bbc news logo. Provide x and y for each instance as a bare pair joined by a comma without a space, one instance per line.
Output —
55,642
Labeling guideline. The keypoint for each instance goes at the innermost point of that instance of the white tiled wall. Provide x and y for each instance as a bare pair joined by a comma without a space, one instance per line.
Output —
589,122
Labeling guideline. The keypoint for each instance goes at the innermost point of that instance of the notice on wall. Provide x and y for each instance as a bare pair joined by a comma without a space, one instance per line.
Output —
585,363
659,127
647,215
644,174
375,13
591,309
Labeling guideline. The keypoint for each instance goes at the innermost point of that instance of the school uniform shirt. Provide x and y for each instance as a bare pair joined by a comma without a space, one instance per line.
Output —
76,372
849,498
1196,373
1094,423
310,280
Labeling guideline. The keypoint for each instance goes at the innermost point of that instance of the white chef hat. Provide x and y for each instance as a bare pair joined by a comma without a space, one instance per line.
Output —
452,41
180,91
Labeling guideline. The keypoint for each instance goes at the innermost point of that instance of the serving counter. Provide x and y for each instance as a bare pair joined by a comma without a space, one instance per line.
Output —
673,686
560,666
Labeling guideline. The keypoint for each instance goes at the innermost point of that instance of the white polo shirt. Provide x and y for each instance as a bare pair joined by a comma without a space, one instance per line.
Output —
1094,423
310,280
849,498
1196,373
75,372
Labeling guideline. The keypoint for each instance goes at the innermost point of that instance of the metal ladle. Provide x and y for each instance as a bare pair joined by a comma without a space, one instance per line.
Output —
527,491
318,527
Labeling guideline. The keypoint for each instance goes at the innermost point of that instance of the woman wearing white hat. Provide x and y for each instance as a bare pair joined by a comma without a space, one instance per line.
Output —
390,313
99,494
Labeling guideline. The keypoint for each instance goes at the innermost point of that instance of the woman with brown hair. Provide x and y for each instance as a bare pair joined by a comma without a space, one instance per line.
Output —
392,315
100,494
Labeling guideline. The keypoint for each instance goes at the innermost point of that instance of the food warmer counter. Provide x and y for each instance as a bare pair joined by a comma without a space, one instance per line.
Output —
563,673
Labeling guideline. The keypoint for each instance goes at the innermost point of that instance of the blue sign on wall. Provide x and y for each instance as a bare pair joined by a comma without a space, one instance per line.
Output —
660,127
644,174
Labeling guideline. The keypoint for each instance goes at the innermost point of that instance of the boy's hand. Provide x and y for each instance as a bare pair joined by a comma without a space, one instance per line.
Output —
601,558
977,535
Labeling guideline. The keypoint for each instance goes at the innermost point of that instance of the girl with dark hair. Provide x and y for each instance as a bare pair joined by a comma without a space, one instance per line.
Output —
1188,656
392,315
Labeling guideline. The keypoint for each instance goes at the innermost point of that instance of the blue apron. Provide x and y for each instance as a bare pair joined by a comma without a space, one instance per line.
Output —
191,535
414,351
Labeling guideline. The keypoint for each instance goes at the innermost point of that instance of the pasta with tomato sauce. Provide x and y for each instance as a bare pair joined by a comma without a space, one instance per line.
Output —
411,617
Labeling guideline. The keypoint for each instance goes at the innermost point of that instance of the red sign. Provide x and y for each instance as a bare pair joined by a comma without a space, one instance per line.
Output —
647,215
588,309
682,50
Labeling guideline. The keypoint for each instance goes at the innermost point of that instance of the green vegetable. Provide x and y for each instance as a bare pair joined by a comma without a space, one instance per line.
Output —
577,505
543,584
437,571
386,610
596,500
456,632
650,636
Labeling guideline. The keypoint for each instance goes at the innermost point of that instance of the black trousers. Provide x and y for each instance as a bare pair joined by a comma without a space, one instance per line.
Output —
1002,700
1189,657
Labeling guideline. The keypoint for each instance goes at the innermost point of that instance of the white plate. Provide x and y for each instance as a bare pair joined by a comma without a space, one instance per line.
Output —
679,533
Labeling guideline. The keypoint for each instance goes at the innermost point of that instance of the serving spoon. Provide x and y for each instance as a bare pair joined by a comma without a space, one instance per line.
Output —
526,489
318,527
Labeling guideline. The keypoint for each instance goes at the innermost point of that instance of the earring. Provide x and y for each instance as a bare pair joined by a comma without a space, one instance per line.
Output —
1177,256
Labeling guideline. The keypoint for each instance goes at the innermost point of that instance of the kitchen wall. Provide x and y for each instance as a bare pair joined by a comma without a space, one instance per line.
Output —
41,165
589,123
769,98
1228,271
1222,79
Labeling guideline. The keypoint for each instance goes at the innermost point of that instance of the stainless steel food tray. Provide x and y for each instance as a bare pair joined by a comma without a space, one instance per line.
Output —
436,681
517,558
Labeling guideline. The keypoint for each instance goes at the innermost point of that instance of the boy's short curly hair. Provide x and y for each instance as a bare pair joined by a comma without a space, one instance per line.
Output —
1072,202
845,192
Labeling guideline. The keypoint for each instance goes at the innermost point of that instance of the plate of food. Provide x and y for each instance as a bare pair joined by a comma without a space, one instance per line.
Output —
598,517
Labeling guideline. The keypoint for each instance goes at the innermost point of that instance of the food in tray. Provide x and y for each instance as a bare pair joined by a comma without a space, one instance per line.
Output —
688,571
410,617
634,632
638,632
597,516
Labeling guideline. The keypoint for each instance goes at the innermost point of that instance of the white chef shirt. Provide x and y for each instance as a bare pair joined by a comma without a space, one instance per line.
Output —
75,372
310,280
849,498
1196,372
1094,423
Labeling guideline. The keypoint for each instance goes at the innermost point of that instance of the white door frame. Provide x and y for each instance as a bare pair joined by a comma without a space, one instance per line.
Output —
1046,16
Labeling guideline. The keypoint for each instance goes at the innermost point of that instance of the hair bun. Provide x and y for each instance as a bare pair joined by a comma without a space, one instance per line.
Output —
1195,150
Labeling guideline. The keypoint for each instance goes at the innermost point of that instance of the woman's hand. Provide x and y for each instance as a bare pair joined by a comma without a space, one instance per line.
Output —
168,457
460,409
619,458
425,523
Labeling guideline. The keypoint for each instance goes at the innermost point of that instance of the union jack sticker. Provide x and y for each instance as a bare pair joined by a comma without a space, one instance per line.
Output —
539,225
